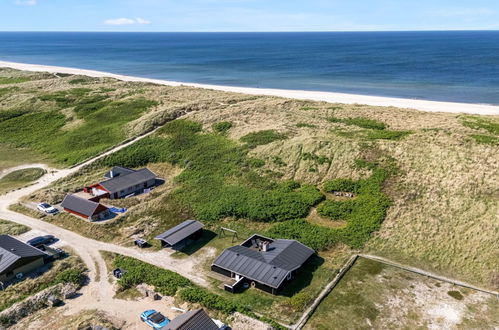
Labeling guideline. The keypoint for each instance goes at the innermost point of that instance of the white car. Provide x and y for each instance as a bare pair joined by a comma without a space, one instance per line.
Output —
47,208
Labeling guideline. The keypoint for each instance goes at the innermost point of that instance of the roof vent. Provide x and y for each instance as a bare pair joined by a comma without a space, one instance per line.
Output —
12,249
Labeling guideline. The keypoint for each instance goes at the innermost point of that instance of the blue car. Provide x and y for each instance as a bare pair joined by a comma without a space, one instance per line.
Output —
154,319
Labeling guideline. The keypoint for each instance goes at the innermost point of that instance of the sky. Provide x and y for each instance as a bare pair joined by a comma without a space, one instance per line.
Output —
248,15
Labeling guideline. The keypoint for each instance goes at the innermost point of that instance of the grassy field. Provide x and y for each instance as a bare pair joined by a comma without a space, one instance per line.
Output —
12,228
240,158
20,178
375,296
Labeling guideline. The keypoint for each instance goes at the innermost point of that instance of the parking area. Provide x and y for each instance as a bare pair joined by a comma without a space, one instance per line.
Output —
35,233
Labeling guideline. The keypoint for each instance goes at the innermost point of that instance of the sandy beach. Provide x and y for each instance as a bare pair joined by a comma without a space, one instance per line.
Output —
423,105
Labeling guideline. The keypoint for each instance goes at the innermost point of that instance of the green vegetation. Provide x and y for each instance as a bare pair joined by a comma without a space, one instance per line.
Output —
20,178
102,126
262,137
300,125
77,81
455,294
480,123
363,215
170,283
377,129
318,159
483,124
13,80
166,282
386,135
222,127
12,228
308,108
218,179
486,139
360,122
8,90
70,269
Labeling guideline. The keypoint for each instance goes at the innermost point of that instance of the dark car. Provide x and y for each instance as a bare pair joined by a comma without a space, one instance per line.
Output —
41,240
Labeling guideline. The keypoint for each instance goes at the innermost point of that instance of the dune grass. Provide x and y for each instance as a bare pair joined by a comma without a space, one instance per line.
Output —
20,178
373,295
12,228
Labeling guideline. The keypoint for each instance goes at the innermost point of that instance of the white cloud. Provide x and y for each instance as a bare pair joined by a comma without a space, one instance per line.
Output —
126,21
139,20
26,2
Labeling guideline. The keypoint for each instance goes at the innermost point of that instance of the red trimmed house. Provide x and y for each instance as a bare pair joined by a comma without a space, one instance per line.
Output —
85,208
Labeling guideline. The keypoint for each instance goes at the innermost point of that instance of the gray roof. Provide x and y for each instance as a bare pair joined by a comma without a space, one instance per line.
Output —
180,232
125,181
80,205
117,171
12,250
192,320
269,267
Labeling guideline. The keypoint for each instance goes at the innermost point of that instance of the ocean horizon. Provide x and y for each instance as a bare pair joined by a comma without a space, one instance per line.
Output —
455,66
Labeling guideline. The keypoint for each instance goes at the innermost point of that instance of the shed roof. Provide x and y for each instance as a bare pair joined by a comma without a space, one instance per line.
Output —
126,180
268,267
12,250
80,205
179,232
192,320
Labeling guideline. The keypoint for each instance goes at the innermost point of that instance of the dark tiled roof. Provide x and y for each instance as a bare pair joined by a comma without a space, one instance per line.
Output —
80,205
180,232
125,181
11,250
269,267
192,320
117,171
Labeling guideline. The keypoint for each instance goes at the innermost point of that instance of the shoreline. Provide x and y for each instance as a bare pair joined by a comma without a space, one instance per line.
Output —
332,97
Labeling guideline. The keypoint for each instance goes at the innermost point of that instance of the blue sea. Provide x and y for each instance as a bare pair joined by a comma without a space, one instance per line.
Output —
447,66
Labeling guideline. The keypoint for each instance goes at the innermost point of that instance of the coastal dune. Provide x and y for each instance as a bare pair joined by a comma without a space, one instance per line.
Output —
423,105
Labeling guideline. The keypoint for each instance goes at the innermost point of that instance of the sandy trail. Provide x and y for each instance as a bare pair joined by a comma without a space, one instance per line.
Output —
423,105
98,294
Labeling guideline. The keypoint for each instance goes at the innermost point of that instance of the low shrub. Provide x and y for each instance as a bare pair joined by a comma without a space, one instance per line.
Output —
222,127
360,122
209,300
219,179
386,135
346,185
136,272
72,275
336,210
486,139
479,123
363,215
300,125
262,137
